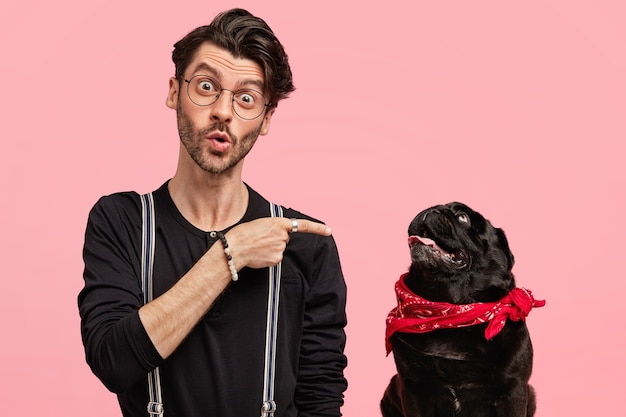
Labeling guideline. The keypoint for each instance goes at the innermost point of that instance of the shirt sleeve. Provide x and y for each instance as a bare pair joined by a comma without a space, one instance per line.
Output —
117,347
321,382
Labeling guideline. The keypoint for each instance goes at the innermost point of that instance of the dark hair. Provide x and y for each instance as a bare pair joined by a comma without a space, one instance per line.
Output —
244,36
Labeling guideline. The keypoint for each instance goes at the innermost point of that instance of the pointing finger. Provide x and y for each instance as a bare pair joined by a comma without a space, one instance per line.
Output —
307,226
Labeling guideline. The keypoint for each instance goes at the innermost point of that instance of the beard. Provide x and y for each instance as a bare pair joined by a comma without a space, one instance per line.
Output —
212,161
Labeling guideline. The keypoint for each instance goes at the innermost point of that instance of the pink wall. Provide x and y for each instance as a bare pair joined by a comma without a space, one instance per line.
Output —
516,109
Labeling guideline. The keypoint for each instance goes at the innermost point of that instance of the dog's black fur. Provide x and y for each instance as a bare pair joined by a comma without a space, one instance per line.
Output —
457,372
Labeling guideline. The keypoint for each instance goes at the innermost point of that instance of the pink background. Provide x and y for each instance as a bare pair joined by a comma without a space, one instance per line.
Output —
516,109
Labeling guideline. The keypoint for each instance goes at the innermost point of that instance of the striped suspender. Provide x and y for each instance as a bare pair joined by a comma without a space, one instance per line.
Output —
155,402
268,407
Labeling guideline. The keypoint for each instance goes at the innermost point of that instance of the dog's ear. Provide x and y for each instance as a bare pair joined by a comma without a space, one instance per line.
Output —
504,245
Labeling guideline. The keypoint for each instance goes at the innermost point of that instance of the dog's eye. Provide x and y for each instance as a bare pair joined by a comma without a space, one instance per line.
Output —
462,217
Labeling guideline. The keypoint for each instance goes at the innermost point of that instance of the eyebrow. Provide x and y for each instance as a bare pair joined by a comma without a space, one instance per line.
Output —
203,66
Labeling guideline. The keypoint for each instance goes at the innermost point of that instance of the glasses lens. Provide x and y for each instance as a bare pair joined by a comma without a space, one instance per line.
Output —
203,90
248,104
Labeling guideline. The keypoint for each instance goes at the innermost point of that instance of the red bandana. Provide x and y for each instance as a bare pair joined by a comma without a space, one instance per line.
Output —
415,314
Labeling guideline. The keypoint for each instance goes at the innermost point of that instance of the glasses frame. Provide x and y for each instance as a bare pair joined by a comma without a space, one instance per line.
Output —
232,100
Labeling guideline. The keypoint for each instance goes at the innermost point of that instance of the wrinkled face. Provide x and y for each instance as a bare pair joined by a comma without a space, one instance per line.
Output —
458,256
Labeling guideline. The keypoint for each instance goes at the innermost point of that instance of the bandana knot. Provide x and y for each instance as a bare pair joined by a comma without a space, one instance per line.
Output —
415,314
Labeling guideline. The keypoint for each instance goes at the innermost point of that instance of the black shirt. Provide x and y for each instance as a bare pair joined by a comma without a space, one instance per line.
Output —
218,369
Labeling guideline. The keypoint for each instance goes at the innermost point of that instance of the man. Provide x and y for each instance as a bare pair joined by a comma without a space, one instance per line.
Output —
205,328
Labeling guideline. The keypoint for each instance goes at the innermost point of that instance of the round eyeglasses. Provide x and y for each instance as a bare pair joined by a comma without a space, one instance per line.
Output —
204,91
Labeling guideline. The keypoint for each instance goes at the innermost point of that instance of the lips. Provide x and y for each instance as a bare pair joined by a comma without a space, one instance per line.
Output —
414,240
220,142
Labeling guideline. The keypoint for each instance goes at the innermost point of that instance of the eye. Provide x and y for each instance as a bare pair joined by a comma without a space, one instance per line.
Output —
462,217
247,99
207,86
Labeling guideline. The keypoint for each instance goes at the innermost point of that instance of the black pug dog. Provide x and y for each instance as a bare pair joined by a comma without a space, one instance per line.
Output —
458,336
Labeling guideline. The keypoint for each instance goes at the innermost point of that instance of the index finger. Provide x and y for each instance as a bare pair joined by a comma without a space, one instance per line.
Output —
307,226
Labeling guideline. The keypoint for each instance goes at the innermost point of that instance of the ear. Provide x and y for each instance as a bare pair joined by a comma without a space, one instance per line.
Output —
504,244
265,125
172,95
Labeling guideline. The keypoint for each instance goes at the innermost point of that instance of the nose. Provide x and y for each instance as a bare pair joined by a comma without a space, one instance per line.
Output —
222,109
432,210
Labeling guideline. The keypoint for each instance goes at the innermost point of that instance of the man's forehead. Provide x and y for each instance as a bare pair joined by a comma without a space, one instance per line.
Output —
222,61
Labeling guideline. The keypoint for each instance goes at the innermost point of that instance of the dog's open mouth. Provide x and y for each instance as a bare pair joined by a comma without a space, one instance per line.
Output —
456,258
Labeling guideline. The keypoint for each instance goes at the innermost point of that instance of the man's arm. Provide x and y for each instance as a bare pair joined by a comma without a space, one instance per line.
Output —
256,244
117,348
321,382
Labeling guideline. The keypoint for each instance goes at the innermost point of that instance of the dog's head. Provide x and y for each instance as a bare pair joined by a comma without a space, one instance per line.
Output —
458,257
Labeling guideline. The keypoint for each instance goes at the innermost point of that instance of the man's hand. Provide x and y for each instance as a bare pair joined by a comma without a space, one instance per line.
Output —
262,242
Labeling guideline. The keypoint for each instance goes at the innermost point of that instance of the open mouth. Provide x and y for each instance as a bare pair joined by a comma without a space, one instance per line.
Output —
458,258
219,137
219,142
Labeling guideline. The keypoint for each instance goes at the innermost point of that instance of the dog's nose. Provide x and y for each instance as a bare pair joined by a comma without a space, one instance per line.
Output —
434,210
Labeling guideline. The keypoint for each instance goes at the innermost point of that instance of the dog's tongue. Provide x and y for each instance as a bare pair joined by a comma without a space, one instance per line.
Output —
424,241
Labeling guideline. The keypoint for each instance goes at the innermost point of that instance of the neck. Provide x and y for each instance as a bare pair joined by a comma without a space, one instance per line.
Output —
210,201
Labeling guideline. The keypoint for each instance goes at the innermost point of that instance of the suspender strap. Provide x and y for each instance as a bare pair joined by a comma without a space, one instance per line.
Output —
268,407
155,402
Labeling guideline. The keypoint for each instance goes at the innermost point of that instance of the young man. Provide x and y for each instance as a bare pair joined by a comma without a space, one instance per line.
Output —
205,328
